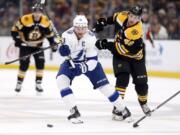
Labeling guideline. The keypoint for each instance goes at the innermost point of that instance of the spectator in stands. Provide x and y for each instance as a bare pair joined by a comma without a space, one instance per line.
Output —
64,10
158,30
173,29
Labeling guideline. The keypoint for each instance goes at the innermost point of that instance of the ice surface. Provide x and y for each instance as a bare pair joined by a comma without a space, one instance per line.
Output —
28,114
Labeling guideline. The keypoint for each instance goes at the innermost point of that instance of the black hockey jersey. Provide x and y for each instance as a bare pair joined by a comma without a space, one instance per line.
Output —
128,40
32,33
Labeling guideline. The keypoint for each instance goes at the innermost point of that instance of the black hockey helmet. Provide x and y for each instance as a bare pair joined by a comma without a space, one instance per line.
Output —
136,10
37,7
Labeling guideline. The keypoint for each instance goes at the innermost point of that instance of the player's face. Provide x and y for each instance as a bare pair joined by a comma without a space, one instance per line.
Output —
37,15
80,31
133,19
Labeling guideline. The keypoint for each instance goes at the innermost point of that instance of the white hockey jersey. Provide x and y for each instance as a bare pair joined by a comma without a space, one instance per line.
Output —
83,48
80,49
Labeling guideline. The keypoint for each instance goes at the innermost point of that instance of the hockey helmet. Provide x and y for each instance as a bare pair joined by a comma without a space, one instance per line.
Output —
80,21
136,10
37,7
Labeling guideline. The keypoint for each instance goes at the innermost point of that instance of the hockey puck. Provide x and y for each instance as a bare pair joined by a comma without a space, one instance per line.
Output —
135,125
49,125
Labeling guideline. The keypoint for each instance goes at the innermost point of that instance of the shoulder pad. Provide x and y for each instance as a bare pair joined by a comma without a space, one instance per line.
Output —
121,17
44,21
27,20
70,32
135,32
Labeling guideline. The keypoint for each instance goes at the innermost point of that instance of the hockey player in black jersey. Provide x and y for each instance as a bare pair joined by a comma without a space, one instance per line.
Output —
128,52
29,33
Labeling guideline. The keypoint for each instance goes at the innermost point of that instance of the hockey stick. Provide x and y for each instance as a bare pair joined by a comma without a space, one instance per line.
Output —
157,107
26,56
42,3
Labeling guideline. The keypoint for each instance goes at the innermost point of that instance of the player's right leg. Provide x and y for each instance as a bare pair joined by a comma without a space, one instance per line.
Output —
39,62
122,73
20,79
120,111
99,80
140,79
64,79
24,64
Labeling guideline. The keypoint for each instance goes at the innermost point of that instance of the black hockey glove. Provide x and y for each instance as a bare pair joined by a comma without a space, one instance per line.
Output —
101,44
18,43
54,47
99,25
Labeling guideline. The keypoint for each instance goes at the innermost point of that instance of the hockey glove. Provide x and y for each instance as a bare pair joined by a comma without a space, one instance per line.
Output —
99,26
80,68
101,44
64,50
18,43
54,47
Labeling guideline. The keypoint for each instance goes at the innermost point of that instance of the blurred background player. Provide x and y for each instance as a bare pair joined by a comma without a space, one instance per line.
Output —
128,52
29,33
147,34
79,42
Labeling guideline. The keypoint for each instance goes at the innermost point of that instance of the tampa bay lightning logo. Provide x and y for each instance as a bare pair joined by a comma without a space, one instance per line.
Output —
79,55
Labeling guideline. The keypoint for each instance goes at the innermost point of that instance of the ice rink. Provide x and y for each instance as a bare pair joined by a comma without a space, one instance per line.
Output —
29,114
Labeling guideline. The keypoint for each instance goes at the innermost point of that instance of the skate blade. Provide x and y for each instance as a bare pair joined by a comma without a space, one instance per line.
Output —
117,118
129,120
76,121
120,118
39,93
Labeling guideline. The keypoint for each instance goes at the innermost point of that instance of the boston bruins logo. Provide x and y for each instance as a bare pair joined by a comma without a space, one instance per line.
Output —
34,35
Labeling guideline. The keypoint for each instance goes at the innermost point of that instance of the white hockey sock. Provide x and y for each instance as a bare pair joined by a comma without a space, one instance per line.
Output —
68,98
113,96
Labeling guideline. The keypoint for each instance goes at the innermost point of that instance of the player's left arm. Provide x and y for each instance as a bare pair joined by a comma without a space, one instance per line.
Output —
16,28
48,32
91,53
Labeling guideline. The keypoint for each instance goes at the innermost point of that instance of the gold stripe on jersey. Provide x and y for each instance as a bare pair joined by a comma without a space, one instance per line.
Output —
120,89
21,74
135,32
121,17
121,51
142,98
14,28
123,48
39,73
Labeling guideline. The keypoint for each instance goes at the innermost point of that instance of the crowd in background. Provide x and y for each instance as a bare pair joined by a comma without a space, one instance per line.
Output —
163,16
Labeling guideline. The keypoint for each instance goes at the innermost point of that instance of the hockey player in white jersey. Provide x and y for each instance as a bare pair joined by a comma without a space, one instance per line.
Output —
79,43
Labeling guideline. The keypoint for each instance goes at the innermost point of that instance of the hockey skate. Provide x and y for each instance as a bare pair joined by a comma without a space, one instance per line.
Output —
146,109
39,88
121,115
74,116
18,87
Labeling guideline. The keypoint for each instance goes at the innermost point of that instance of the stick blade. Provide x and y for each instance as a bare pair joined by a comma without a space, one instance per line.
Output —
135,125
7,63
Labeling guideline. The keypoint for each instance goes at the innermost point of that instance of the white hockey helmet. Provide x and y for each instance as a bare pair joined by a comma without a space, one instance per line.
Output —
80,21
